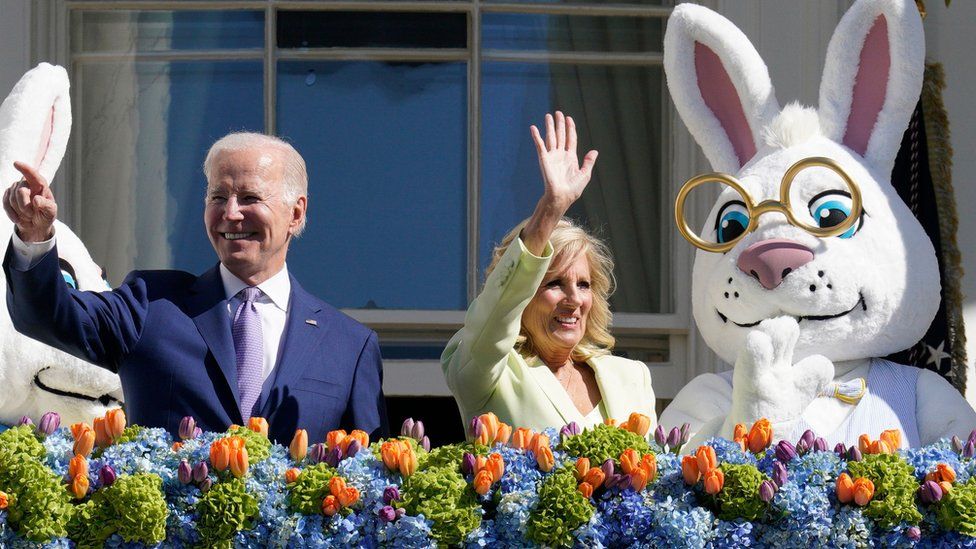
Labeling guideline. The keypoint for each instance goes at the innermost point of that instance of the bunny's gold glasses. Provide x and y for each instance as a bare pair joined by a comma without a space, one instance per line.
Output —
830,208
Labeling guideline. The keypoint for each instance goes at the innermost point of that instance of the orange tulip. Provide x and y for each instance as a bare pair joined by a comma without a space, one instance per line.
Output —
291,475
714,481
259,425
102,436
892,437
946,486
407,462
115,419
330,505
4,500
299,445
77,466
483,438
610,422
638,479
361,436
79,486
689,469
336,485
586,489
863,491
84,443
504,433
945,473
238,462
629,460
545,459
348,497
482,482
538,440
490,423
706,459
649,465
496,466
235,442
333,438
760,436
845,488
220,454
176,446
581,467
521,438
595,476
639,424
740,431
864,444
479,463
880,447
390,452
78,428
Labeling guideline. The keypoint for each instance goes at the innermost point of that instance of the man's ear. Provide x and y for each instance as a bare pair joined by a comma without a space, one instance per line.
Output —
298,213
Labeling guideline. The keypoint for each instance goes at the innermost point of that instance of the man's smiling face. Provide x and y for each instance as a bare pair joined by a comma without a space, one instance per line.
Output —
248,220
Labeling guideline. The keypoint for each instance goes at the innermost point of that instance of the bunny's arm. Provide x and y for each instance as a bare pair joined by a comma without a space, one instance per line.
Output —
940,410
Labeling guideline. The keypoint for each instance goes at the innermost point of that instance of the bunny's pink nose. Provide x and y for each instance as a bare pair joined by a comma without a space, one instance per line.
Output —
770,261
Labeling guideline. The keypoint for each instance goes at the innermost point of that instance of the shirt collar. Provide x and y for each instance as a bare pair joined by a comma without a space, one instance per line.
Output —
277,288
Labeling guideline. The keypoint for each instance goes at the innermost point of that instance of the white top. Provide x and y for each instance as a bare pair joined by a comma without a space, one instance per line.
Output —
595,417
272,305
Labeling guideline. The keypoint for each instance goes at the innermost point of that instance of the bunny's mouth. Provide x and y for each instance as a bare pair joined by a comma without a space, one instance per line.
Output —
860,303
106,399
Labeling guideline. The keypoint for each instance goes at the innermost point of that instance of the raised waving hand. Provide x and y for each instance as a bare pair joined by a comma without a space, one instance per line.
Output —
30,204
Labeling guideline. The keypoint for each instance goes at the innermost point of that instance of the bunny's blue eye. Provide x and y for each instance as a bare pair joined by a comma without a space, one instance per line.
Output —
732,221
832,208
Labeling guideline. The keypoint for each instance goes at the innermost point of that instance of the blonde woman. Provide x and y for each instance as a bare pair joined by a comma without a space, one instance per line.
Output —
535,346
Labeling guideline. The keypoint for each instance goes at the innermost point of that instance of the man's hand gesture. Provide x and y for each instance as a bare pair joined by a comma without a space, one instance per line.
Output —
30,204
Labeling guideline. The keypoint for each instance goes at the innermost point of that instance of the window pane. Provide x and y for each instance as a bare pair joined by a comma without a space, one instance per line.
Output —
145,31
572,33
618,111
352,29
386,150
597,2
143,132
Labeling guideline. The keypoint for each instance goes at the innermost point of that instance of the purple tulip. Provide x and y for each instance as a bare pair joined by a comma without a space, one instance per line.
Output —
779,473
200,471
957,444
417,433
623,482
659,437
391,494
820,445
106,476
785,451
809,437
913,533
206,485
184,473
854,454
188,427
929,492
685,433
387,514
467,464
197,432
767,490
425,443
970,450
334,456
674,437
354,447
476,427
840,449
802,447
26,420
317,453
571,429
607,468
972,437
400,512
407,427
49,423
612,481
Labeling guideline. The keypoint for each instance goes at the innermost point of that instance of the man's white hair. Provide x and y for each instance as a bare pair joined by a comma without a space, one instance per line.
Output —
294,183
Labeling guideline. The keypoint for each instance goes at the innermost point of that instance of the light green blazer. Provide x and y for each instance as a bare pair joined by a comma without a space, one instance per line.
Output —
487,374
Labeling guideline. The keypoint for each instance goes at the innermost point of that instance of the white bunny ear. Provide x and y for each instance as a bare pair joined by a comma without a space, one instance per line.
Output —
873,78
35,122
719,84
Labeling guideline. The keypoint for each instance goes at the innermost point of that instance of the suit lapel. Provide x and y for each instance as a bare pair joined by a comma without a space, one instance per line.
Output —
554,391
207,305
610,389
299,344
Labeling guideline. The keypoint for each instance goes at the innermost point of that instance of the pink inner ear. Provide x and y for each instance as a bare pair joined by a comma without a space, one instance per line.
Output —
870,87
45,142
722,99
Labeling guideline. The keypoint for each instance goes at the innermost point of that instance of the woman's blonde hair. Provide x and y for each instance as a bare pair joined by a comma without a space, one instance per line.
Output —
569,240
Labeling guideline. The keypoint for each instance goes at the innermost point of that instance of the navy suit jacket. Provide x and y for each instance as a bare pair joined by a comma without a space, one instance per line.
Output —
168,336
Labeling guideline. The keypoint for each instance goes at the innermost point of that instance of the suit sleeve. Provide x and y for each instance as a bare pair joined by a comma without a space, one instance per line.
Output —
366,409
477,355
99,327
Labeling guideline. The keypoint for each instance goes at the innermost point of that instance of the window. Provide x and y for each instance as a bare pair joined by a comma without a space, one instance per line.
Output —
413,118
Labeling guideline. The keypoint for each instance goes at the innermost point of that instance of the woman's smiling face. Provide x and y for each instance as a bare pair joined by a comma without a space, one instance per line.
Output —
555,319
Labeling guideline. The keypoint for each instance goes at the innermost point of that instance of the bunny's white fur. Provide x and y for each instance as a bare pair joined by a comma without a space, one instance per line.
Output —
879,287
35,121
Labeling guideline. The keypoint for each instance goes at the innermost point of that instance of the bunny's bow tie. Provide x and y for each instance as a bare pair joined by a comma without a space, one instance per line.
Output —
849,392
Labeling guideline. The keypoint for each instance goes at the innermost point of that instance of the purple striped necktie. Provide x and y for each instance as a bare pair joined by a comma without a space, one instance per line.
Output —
249,348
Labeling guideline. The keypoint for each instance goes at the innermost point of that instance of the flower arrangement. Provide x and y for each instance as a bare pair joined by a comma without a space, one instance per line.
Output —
109,484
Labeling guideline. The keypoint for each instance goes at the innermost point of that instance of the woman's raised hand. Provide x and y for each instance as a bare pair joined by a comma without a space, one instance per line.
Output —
562,174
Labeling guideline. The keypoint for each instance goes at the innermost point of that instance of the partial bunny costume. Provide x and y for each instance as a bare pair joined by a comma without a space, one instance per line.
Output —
35,121
804,316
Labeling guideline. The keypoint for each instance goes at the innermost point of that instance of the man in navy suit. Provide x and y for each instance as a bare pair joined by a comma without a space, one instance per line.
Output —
209,346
